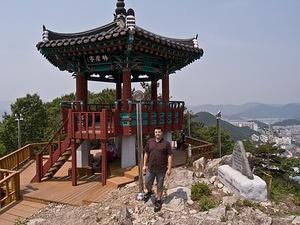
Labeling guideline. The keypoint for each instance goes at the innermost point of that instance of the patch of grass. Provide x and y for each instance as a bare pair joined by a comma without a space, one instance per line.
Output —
248,203
238,204
297,199
205,203
223,218
201,193
228,207
283,188
21,221
200,190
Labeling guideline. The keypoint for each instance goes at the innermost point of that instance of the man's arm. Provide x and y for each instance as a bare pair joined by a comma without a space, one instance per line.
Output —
145,167
170,160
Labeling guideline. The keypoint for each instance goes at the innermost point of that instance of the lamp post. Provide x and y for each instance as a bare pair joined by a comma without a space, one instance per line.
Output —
189,123
19,118
218,117
138,96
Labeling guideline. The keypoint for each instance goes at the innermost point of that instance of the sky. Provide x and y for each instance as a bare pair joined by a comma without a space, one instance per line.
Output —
251,47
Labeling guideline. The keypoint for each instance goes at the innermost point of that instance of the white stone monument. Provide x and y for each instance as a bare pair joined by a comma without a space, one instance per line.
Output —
239,178
128,153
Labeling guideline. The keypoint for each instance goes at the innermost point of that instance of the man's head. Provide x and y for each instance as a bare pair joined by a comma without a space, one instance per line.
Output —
158,133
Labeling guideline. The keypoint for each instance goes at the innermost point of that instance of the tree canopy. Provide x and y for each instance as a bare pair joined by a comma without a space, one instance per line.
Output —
40,120
33,112
208,133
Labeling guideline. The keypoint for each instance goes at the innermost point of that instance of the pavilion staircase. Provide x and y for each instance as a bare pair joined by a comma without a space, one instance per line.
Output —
55,153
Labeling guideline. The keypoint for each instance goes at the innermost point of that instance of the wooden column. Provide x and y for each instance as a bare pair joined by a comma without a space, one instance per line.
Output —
165,88
104,162
39,167
154,93
81,90
126,88
165,98
74,162
118,92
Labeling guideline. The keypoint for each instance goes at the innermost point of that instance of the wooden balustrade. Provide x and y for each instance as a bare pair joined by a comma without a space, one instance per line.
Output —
195,141
9,187
199,148
93,125
14,160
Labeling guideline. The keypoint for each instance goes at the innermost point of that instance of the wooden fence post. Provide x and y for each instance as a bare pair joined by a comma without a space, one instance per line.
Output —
39,167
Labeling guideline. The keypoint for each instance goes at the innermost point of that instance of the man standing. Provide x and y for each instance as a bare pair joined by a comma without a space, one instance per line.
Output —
157,163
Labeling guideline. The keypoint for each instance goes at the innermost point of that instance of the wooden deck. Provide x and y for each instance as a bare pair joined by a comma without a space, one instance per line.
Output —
60,189
20,211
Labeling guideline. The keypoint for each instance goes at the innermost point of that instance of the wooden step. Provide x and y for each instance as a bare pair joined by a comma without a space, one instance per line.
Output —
53,168
133,173
63,158
117,182
59,163
47,176
67,153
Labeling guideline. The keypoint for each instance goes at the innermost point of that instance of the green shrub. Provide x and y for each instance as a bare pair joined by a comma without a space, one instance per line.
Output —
205,203
223,218
199,190
227,207
297,200
281,188
238,204
248,203
21,221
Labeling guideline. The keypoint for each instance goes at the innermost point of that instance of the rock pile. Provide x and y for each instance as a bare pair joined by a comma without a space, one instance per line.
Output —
120,206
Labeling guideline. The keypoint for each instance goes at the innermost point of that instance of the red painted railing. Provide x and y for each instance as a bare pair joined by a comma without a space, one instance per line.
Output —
106,123
93,125
57,145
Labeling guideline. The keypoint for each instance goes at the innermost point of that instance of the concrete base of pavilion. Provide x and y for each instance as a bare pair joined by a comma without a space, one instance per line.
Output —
126,147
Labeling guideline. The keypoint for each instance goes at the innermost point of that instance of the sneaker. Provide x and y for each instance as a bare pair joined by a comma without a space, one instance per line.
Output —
147,196
158,205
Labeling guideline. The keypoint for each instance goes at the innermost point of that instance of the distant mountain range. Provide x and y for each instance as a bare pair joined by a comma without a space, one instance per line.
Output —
253,111
236,133
288,122
260,124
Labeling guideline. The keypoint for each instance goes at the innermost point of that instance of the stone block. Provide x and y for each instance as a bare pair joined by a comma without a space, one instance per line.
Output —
254,189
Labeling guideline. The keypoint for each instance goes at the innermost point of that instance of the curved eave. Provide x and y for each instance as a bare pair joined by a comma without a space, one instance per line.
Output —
181,44
96,35
57,36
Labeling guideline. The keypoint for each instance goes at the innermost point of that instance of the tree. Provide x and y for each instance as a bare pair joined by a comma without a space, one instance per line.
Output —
54,114
147,91
209,134
32,126
8,134
106,96
189,122
2,146
268,163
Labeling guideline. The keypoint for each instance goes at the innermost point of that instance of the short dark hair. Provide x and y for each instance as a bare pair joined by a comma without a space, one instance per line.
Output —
158,128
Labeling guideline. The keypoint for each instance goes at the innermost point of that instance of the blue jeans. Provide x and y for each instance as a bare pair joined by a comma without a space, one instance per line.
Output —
159,176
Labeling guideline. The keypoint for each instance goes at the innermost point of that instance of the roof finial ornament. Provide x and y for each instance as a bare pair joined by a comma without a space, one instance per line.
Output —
195,41
130,19
120,10
45,34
